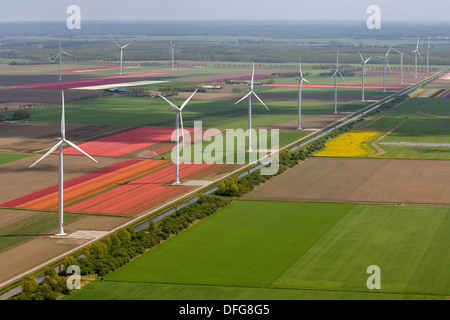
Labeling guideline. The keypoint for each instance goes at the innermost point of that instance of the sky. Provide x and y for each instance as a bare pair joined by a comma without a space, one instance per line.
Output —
55,10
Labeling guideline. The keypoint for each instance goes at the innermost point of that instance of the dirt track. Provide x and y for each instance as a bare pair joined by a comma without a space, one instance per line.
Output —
361,180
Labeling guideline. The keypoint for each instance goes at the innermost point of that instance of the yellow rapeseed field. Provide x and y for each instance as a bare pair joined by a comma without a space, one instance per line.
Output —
350,144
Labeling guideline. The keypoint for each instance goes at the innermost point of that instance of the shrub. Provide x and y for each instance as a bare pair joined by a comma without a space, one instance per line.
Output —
29,285
20,115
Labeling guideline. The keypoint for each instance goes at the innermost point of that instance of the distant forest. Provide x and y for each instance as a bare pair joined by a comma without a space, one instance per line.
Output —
233,41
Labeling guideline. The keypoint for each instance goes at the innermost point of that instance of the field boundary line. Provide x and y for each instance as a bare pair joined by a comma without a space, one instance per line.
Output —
275,288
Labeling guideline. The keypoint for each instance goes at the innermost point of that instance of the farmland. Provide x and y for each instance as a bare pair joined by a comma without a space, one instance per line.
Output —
258,262
418,121
350,144
344,203
361,180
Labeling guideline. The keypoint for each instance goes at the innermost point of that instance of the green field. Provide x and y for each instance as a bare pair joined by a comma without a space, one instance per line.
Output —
293,250
221,114
29,228
415,152
6,157
418,120
219,152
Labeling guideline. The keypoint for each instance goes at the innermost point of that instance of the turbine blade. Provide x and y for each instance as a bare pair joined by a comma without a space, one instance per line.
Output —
341,75
56,146
245,97
389,66
182,127
186,102
362,59
305,80
171,104
334,74
390,48
126,45
66,53
300,62
420,55
117,44
253,75
260,100
367,60
79,149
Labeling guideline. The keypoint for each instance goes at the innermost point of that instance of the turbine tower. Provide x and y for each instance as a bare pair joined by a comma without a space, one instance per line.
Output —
300,83
416,52
59,145
335,82
121,53
385,62
249,96
401,63
363,62
61,52
172,54
179,118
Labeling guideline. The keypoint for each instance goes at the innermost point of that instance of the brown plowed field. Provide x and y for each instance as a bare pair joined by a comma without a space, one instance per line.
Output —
32,137
361,180
313,122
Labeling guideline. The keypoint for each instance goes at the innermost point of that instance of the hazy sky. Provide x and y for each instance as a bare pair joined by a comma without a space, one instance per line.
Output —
43,10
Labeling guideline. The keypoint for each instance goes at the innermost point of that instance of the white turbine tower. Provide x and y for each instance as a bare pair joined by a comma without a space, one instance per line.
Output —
385,62
428,53
416,52
249,96
59,56
59,145
363,62
121,53
401,63
172,54
179,118
335,82
300,83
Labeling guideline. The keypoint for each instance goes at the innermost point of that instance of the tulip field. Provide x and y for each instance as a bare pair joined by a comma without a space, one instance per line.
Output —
123,189
125,142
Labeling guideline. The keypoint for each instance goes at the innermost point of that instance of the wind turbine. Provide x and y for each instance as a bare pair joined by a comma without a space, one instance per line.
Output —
428,53
121,53
300,83
249,96
416,52
363,62
335,82
61,52
59,145
385,62
401,63
179,118
172,53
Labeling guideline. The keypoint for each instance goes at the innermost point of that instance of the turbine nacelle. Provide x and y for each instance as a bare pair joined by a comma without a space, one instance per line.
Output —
251,92
62,139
